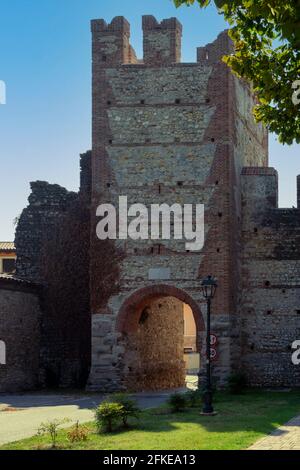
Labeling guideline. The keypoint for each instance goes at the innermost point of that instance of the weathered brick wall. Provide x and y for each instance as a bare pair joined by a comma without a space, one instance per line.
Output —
270,307
52,243
20,319
249,147
47,203
85,188
169,132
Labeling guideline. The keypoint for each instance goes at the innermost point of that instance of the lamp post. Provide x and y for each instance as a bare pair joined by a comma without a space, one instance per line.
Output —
208,286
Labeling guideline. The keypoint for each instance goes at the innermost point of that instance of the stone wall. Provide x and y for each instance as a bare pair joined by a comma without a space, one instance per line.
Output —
20,321
52,244
47,203
165,132
270,307
85,188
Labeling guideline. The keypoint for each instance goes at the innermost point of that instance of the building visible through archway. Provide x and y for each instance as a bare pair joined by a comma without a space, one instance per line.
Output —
191,353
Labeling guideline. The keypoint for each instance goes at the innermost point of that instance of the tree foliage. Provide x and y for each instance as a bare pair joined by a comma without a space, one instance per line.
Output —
266,34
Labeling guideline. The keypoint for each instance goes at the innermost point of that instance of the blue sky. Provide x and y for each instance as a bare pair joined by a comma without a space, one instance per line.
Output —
45,61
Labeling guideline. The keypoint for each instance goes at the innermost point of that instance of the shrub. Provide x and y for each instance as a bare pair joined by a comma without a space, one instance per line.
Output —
177,402
107,414
78,433
237,383
194,398
51,428
130,408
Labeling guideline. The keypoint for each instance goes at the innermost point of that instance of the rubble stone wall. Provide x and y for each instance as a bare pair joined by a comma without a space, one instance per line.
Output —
270,307
45,255
47,203
20,323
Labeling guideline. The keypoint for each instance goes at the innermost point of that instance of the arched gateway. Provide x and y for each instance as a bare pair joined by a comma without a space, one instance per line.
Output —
129,313
139,344
151,323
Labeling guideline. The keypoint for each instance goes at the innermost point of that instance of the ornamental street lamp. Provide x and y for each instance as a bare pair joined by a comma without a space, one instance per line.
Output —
209,286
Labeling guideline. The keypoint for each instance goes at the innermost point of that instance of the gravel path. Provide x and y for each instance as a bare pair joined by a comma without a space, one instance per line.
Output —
21,415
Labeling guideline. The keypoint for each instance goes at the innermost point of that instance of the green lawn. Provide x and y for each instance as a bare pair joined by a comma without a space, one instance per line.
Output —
241,420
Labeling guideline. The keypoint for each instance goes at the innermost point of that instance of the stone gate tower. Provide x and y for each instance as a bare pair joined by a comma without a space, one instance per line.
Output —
167,132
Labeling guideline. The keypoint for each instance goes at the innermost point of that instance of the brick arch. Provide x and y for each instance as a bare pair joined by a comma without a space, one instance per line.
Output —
129,314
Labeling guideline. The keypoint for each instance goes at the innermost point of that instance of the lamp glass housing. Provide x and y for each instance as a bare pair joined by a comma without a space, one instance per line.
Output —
209,286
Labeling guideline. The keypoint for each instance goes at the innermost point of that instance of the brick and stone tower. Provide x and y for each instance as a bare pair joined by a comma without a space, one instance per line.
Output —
167,132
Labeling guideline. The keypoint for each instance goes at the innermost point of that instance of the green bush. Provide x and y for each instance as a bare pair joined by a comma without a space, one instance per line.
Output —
177,402
237,383
107,415
130,408
194,398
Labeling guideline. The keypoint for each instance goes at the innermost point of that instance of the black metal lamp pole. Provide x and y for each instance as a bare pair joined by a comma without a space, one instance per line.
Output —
209,286
207,405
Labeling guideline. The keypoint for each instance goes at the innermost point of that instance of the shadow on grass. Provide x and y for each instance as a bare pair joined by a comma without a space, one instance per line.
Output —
257,411
241,420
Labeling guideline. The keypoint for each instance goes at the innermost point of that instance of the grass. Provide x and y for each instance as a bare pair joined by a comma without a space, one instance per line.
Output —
241,420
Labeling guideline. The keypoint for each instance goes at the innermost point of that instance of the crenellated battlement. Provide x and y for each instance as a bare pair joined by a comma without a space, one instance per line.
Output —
118,24
111,46
214,51
150,23
162,41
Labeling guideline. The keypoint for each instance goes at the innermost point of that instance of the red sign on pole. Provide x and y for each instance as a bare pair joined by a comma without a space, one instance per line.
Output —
213,340
213,347
213,354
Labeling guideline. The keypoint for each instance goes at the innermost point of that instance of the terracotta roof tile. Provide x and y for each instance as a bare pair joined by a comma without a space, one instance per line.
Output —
7,246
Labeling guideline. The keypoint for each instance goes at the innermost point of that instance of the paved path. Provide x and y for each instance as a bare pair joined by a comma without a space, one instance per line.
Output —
286,437
21,415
